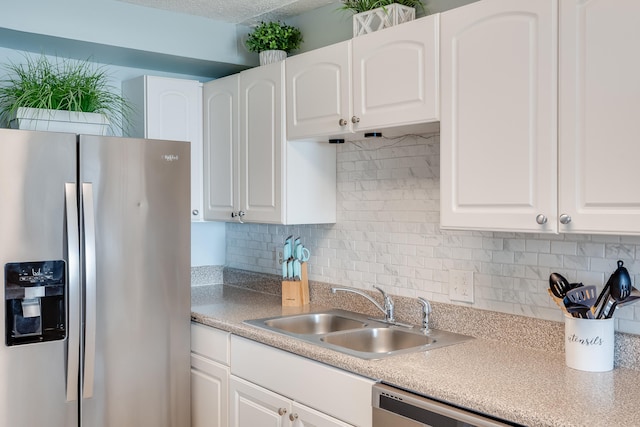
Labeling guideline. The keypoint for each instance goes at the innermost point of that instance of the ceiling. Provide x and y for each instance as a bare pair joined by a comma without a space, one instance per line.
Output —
246,12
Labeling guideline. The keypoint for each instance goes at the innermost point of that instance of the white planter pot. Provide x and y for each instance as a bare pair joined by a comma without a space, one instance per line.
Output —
59,121
271,56
380,18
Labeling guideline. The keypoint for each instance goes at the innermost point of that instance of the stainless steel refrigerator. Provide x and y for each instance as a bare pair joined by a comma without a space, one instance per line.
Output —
95,250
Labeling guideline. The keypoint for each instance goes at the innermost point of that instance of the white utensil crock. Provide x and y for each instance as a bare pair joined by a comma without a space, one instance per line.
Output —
589,344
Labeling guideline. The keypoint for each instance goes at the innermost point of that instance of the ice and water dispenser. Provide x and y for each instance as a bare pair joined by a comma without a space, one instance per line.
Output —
34,302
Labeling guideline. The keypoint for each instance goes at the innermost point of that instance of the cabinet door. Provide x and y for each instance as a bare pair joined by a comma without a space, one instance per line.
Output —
282,377
221,114
174,111
303,416
209,393
262,143
318,92
599,116
253,406
395,75
499,128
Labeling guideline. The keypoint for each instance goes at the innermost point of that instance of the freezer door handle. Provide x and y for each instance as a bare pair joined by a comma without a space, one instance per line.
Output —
90,290
73,266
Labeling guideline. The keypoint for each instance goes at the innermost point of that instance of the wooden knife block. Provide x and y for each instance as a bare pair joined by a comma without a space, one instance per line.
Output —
295,293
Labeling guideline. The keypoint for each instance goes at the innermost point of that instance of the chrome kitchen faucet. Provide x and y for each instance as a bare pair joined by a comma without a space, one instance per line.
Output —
388,308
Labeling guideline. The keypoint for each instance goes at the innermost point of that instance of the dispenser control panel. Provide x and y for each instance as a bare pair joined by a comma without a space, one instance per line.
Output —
35,301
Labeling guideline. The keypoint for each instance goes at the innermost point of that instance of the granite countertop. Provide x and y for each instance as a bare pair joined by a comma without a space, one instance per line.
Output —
521,384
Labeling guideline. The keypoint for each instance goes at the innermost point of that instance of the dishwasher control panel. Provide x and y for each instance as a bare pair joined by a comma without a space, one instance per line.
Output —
393,407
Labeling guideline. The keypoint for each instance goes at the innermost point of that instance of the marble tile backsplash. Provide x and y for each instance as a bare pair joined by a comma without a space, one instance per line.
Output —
388,234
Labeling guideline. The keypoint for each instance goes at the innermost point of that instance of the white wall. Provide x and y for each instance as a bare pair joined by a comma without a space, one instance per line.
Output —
208,243
126,25
388,234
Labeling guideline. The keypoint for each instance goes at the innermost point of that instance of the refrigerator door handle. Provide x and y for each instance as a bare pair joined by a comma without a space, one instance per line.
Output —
90,290
73,266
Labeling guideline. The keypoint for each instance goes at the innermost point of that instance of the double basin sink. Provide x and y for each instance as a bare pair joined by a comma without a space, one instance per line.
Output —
356,334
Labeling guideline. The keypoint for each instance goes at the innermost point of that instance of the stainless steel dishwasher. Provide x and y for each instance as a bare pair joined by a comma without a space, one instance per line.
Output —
393,407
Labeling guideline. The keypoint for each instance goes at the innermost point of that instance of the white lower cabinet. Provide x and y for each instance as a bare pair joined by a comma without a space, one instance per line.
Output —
209,377
252,405
304,416
271,387
209,395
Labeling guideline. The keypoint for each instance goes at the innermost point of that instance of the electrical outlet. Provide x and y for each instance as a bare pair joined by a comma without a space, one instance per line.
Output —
277,257
461,285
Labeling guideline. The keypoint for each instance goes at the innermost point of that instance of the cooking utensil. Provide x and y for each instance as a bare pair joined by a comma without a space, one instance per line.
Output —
559,285
619,288
582,296
619,292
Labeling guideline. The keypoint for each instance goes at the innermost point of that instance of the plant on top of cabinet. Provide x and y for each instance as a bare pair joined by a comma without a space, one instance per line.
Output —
273,41
46,95
374,15
358,6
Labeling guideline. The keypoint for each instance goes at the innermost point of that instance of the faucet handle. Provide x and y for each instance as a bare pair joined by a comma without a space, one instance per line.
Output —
426,311
388,306
387,299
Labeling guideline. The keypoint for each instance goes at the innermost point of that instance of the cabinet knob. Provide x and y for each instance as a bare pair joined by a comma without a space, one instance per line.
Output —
238,215
195,212
282,411
293,417
355,119
565,219
342,122
541,219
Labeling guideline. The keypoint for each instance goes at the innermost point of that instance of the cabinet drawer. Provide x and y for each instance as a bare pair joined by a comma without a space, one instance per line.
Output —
210,342
311,383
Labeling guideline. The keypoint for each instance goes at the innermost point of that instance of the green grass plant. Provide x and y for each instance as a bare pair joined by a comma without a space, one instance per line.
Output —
63,84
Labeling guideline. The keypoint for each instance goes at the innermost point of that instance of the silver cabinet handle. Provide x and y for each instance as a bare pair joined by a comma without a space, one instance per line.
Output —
282,411
293,417
565,219
195,212
541,219
73,265
342,122
355,119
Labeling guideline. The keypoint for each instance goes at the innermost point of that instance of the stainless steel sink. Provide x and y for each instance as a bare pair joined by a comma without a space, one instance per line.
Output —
314,323
378,340
357,335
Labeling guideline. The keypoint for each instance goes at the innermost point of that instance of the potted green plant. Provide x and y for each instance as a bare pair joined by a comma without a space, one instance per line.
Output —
374,15
276,36
40,94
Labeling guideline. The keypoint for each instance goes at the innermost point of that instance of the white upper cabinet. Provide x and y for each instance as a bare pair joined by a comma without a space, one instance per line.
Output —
382,80
395,75
511,160
167,108
261,142
221,130
251,172
319,92
600,116
498,118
